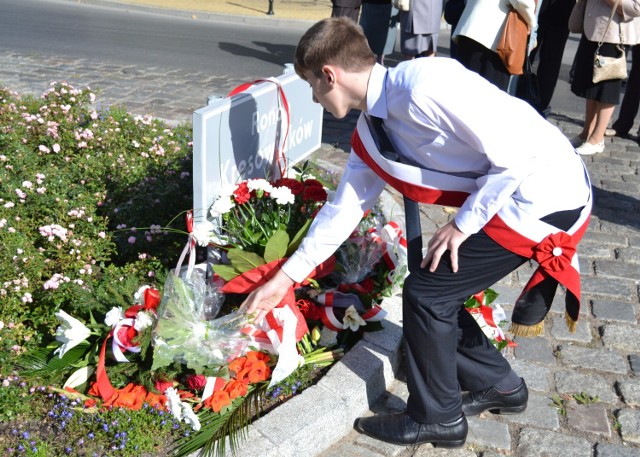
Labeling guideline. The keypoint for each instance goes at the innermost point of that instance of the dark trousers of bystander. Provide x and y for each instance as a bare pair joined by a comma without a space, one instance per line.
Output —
552,36
631,100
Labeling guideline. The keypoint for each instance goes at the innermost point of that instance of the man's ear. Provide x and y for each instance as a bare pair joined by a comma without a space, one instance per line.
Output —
329,73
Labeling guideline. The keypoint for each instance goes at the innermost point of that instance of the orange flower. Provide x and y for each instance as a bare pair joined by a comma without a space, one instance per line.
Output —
257,355
238,364
131,397
236,389
259,372
218,400
94,391
243,374
156,401
89,403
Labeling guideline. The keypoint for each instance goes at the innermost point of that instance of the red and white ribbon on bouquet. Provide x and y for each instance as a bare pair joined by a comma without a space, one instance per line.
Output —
336,299
488,318
393,243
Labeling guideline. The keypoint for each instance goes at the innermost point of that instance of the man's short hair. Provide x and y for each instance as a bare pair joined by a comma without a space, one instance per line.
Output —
333,41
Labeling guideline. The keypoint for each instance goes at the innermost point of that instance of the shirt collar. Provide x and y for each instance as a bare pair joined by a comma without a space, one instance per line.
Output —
376,92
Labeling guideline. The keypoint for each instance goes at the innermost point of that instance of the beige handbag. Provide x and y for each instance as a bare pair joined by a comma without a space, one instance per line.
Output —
605,68
402,5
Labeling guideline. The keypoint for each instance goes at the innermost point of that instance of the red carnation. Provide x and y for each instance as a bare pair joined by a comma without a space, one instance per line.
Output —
162,385
315,194
195,382
313,183
309,309
294,185
242,194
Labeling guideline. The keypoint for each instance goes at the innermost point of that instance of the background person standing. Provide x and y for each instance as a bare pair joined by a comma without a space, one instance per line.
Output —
419,28
346,8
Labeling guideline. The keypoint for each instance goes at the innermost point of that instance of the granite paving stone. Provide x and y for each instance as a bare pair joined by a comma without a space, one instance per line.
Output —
624,337
609,287
630,391
615,450
560,331
540,413
536,375
488,433
602,360
629,420
612,310
589,418
538,350
571,382
542,443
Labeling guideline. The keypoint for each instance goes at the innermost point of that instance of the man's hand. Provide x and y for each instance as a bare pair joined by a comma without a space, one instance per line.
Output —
266,297
446,238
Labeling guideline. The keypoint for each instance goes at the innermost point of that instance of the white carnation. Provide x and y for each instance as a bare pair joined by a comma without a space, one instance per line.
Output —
282,195
114,316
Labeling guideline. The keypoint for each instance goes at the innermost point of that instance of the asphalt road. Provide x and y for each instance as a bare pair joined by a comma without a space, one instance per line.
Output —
123,37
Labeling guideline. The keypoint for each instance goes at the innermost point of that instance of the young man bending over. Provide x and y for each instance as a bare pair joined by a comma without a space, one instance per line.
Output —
522,191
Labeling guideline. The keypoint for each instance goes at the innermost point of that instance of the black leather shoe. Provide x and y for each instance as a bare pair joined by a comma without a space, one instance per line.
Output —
490,399
400,429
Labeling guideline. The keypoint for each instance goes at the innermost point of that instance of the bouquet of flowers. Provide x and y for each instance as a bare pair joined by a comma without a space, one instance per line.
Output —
489,317
189,351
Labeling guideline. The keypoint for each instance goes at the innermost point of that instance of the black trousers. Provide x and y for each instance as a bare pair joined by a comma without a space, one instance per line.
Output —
446,351
631,99
551,44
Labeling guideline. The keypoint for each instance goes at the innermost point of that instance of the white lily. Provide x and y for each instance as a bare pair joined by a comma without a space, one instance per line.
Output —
70,333
174,403
190,417
352,319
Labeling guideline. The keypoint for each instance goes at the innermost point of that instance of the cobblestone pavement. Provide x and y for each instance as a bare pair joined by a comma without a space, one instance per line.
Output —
584,389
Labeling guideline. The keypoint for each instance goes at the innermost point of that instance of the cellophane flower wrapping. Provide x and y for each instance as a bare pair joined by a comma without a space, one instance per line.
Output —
359,254
187,331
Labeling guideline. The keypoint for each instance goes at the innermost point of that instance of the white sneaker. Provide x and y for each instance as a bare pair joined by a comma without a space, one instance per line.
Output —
587,149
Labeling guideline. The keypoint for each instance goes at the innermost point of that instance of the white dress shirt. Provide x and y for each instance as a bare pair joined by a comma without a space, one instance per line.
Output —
443,117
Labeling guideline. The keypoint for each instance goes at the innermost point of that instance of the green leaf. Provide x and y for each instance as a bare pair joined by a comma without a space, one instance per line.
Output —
244,261
44,361
226,272
489,296
298,237
276,247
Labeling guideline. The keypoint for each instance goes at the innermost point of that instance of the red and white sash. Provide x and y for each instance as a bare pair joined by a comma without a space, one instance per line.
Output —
511,227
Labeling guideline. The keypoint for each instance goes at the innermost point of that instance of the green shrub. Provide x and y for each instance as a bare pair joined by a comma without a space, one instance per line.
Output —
84,195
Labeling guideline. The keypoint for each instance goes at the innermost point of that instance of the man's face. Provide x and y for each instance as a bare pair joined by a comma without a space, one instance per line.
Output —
327,93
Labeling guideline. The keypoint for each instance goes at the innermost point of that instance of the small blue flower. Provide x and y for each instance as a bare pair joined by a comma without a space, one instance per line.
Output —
91,435
25,435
